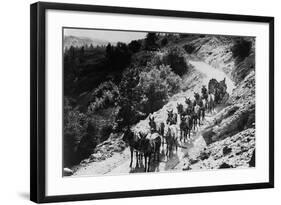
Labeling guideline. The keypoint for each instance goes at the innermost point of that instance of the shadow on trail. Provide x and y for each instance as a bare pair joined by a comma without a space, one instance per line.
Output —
166,162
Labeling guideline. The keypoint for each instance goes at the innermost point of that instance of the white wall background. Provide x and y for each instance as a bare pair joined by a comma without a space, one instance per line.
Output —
14,103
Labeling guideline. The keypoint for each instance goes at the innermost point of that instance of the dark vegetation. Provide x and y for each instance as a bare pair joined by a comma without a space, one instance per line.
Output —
241,48
176,59
243,52
189,48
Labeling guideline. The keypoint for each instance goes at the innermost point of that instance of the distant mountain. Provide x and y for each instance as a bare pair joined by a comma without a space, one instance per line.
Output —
82,41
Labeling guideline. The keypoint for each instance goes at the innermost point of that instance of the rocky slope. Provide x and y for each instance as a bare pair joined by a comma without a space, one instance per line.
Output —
230,137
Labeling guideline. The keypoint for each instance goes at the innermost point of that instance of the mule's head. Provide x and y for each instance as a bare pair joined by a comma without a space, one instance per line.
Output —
152,123
170,113
151,119
187,101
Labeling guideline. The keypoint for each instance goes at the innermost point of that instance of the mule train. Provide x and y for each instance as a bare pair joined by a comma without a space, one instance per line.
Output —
177,127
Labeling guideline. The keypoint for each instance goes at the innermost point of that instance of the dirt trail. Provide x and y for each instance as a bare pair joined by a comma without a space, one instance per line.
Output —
119,162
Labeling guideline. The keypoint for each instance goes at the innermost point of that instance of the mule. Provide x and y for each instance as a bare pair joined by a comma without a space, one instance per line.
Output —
134,142
171,139
185,127
211,102
203,108
152,123
180,109
196,116
197,98
161,131
204,92
188,101
172,118
150,146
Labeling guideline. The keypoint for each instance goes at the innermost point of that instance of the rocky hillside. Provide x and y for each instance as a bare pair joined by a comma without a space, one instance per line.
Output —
230,137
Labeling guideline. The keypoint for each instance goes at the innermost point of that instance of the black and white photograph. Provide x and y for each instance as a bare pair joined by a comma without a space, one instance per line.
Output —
146,102
137,102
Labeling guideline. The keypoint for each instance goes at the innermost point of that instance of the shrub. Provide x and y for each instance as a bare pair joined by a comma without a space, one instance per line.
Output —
154,89
128,98
189,48
176,60
134,46
75,124
156,86
104,96
164,41
241,48
106,130
141,58
150,41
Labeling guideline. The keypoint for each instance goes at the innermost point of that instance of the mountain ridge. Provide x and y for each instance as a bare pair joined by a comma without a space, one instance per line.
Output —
79,41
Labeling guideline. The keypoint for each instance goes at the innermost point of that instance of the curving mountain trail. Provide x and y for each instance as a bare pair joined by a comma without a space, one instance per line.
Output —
178,161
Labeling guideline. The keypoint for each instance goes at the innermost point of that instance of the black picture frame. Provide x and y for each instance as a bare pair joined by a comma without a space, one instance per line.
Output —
38,100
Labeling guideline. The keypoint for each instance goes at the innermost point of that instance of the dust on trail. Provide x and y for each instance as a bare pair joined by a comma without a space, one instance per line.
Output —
211,72
178,160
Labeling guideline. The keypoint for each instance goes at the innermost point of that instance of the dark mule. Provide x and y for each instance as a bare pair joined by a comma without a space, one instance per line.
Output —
204,92
222,90
172,118
188,101
211,102
150,146
134,142
152,124
197,99
203,107
180,109
171,139
153,128
190,107
196,116
217,96
185,127
161,131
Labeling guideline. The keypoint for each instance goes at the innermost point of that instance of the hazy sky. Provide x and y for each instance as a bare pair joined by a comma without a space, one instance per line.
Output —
106,35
